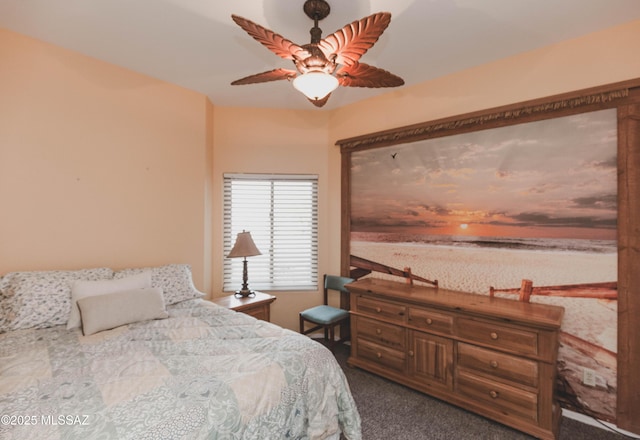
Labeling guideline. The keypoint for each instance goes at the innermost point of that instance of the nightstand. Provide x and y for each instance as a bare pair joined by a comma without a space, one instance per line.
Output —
258,306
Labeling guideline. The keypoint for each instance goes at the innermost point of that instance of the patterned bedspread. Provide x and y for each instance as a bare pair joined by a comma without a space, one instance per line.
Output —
204,373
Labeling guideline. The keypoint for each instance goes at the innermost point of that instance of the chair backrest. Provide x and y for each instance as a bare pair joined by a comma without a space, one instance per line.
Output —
334,282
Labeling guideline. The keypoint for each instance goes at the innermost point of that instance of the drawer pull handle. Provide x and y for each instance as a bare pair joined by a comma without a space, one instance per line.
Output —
494,364
493,394
378,331
411,353
494,335
429,321
378,310
378,355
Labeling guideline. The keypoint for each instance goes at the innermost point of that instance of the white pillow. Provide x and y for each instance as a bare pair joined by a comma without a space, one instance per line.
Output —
83,289
111,310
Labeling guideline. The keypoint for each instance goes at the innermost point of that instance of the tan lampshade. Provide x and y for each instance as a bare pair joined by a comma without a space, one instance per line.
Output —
244,246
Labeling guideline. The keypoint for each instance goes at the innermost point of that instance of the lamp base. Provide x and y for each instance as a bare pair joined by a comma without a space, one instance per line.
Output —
244,293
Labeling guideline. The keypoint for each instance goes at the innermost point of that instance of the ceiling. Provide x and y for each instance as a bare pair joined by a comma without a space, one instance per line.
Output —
195,44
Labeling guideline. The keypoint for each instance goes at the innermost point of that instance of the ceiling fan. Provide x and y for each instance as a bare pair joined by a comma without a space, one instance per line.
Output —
325,63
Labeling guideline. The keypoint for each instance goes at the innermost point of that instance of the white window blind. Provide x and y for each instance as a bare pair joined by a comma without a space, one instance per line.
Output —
281,213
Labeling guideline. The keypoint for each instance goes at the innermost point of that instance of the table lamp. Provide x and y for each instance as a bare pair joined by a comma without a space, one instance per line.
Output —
244,247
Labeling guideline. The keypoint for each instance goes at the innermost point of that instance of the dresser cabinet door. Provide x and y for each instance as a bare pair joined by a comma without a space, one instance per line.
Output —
431,360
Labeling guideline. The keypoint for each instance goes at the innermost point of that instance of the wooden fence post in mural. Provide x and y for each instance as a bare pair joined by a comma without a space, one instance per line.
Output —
525,290
408,278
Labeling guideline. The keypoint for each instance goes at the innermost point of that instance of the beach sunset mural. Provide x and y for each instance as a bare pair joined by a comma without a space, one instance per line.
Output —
554,178
492,207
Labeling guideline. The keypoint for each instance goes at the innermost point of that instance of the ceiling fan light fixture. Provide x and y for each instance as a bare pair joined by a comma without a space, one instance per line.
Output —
324,63
315,85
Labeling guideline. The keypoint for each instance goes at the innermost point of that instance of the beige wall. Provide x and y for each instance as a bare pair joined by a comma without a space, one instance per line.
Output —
99,166
103,166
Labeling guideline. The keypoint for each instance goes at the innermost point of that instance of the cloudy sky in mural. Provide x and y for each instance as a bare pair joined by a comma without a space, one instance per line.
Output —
552,178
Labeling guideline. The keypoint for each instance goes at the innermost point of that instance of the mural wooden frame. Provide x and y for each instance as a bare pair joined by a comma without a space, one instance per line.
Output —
625,97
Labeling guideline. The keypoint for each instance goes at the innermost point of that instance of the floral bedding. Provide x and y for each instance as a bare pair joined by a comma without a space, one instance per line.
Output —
203,373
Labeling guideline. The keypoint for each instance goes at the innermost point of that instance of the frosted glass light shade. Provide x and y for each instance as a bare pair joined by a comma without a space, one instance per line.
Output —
315,85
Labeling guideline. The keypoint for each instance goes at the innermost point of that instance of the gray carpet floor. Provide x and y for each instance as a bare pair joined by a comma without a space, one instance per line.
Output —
392,411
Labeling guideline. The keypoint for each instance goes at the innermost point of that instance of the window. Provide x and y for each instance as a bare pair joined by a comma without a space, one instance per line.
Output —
281,212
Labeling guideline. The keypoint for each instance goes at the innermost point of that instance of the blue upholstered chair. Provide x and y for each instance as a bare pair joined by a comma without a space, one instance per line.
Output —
327,317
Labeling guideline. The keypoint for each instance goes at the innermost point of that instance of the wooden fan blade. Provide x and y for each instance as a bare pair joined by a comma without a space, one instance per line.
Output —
364,75
272,41
351,42
320,102
271,75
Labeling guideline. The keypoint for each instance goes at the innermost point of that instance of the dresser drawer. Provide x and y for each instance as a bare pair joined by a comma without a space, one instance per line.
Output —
381,309
430,320
498,336
380,332
498,397
504,366
381,355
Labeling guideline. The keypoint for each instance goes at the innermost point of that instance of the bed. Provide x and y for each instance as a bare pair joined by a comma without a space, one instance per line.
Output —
197,371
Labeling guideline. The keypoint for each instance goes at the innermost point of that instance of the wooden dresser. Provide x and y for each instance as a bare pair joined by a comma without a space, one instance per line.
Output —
493,356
